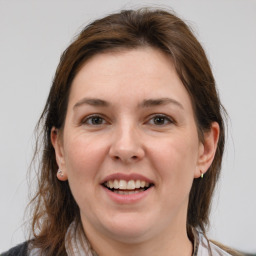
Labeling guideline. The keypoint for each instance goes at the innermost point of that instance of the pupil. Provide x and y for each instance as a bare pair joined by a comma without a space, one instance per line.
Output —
159,120
96,120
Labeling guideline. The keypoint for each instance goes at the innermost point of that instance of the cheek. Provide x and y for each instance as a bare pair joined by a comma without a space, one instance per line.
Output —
180,150
175,159
83,157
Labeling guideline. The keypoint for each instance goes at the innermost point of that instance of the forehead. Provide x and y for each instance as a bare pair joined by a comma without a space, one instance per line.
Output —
138,73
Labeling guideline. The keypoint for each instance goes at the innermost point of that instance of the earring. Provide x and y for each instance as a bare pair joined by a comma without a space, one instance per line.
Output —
202,175
59,172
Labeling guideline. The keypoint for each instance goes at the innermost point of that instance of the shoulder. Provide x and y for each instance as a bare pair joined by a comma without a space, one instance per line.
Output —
217,250
229,251
19,250
207,247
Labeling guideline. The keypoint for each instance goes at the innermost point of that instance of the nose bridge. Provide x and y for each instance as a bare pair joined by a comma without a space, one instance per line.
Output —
126,144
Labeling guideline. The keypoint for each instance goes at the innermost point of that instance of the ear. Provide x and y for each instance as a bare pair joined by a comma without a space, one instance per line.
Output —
207,149
57,143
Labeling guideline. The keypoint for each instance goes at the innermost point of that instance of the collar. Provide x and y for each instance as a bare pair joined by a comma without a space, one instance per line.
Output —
76,243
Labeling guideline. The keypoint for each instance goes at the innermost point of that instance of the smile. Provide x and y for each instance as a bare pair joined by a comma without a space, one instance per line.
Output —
124,187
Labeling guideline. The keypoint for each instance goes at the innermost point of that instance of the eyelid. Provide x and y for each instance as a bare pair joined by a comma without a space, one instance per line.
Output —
88,117
84,121
167,117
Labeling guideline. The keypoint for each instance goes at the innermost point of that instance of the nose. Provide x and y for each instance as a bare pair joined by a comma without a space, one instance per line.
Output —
127,145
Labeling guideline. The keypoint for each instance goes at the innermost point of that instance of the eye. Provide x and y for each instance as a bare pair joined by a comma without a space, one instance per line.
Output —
94,120
160,120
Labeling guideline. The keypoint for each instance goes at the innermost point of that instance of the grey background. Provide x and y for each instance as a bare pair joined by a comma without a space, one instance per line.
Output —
32,36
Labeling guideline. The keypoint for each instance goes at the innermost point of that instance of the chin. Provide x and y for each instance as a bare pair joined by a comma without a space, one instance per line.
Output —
129,230
130,236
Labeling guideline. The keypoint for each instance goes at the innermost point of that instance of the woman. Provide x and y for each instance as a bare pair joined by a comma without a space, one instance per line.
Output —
133,143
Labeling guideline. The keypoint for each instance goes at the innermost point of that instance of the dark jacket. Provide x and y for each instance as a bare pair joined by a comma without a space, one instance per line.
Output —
19,250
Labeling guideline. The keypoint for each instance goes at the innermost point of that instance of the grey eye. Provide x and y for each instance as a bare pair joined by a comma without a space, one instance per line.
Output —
94,120
160,120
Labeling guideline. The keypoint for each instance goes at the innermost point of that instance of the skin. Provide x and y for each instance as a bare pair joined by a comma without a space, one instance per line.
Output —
129,137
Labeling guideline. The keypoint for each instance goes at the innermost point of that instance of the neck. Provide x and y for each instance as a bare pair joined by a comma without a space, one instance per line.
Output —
171,244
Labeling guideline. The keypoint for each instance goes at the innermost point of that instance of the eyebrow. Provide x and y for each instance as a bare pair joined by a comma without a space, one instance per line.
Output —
145,104
92,102
159,102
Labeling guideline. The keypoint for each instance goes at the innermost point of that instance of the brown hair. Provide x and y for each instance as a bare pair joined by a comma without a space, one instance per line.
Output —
55,207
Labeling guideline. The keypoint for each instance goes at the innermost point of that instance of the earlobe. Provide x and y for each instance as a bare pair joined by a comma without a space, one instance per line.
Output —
57,144
207,149
62,176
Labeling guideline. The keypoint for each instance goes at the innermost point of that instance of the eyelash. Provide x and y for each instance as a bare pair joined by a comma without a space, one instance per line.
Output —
90,118
167,120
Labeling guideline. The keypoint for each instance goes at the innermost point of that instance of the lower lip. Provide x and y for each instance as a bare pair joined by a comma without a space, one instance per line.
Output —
127,199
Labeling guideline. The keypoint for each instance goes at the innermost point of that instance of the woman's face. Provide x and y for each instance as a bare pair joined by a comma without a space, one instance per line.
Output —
129,147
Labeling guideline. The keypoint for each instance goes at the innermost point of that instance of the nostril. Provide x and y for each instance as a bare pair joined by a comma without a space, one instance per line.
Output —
133,157
125,158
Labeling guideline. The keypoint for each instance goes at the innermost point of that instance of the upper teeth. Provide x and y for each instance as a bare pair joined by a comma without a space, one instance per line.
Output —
123,184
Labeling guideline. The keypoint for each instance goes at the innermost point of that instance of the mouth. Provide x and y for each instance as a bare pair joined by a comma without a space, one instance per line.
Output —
123,187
